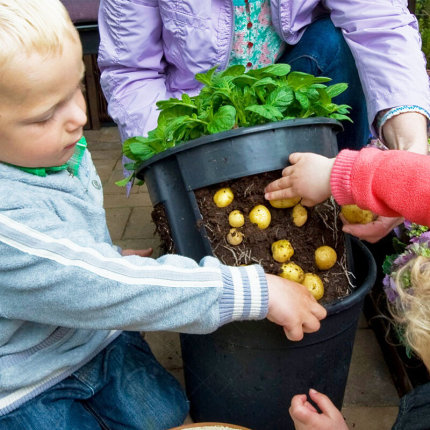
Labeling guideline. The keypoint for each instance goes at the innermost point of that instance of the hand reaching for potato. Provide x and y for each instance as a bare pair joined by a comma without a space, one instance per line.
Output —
293,307
308,176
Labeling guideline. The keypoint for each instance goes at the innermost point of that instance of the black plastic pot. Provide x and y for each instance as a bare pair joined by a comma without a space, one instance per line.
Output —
246,373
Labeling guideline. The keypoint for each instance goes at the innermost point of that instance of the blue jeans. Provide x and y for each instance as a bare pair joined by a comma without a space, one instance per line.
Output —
322,51
122,388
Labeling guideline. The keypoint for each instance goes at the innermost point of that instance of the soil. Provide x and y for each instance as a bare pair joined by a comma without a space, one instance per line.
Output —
323,227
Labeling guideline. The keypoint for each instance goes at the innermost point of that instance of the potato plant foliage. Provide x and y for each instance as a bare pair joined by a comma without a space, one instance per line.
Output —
234,98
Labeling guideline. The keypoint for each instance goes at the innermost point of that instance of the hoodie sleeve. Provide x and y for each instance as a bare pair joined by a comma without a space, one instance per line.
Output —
132,64
51,273
384,39
389,183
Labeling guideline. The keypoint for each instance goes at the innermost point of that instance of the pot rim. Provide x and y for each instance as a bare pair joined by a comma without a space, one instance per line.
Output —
210,138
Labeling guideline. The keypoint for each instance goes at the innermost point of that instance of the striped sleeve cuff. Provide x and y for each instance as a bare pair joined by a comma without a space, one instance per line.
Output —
245,295
340,177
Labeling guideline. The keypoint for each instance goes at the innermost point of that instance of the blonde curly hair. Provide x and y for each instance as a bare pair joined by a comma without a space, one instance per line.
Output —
412,307
29,26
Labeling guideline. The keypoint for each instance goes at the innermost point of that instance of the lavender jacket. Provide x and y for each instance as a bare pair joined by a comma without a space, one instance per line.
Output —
151,50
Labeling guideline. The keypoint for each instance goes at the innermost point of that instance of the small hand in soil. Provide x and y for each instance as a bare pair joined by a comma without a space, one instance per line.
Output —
293,307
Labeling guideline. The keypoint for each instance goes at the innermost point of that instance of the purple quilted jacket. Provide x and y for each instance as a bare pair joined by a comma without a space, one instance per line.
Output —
151,50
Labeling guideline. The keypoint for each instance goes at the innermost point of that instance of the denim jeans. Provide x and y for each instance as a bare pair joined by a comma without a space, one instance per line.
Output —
322,51
414,410
122,388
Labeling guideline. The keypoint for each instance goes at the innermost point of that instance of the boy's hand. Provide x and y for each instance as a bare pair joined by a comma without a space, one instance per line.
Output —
139,252
307,177
293,307
306,417
373,231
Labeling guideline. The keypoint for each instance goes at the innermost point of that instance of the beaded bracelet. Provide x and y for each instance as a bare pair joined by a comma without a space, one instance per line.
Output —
382,119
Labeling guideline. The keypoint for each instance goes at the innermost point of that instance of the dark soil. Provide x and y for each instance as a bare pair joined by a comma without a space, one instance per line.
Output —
323,227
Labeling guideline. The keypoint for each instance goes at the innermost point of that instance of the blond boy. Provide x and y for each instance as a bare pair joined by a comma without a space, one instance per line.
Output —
72,305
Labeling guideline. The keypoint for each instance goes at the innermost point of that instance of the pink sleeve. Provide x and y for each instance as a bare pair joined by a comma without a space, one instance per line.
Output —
389,183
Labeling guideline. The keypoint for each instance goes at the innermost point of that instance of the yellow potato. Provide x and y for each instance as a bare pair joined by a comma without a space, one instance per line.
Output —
234,237
236,218
300,215
314,284
325,257
355,215
260,215
285,203
282,250
223,197
292,271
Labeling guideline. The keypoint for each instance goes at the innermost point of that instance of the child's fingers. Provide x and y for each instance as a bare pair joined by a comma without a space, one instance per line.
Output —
295,157
324,403
294,332
311,325
140,252
301,410
318,311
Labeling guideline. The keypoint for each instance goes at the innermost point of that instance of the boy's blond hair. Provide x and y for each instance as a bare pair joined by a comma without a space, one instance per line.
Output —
412,309
33,26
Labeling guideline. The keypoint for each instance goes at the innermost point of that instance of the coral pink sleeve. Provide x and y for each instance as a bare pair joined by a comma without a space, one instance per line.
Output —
389,183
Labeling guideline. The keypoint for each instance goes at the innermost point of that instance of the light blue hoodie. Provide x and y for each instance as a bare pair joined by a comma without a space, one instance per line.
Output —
65,290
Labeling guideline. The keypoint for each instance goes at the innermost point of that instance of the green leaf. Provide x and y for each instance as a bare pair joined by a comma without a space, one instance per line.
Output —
243,80
223,120
206,78
325,99
336,89
265,82
281,97
172,102
278,69
340,117
234,71
125,181
266,111
302,99
387,265
299,80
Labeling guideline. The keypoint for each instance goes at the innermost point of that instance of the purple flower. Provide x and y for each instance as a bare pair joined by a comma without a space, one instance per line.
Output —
424,237
407,224
390,288
404,258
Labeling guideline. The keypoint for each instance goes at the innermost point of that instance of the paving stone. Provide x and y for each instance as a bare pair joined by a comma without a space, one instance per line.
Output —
104,134
112,155
369,381
117,220
132,201
370,418
110,186
166,348
139,225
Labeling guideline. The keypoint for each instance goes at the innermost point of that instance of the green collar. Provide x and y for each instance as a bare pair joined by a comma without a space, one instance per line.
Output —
72,165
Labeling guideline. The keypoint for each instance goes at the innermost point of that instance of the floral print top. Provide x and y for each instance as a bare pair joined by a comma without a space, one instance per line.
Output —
255,42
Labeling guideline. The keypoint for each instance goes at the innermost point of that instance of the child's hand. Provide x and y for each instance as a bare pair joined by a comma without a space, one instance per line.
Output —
307,177
293,307
139,252
306,417
373,231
